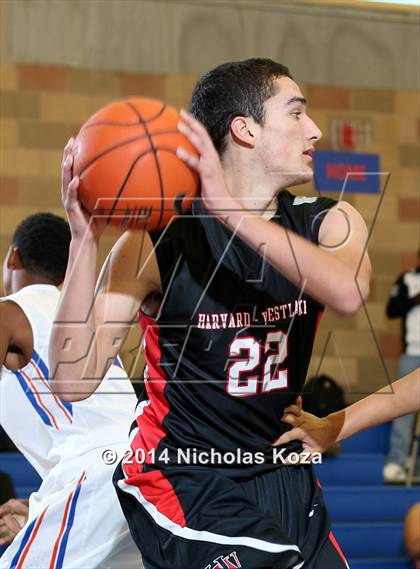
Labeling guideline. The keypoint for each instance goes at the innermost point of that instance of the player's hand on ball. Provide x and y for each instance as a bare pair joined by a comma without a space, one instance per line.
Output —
81,224
214,191
13,516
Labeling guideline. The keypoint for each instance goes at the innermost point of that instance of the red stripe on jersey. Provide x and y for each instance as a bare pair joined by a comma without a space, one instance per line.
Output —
318,320
156,383
150,422
155,488
337,548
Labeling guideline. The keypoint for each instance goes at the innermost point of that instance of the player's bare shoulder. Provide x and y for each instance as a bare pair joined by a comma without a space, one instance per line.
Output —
341,224
344,233
12,317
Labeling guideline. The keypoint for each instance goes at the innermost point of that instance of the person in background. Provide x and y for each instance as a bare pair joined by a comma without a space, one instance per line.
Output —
412,534
404,303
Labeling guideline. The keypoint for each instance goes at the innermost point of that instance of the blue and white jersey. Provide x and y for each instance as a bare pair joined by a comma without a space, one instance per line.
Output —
46,429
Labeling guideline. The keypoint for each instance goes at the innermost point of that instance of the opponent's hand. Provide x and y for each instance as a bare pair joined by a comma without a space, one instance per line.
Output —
294,409
13,516
316,434
214,191
82,225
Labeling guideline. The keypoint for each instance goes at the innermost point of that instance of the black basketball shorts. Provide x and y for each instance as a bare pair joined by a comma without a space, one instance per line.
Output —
194,518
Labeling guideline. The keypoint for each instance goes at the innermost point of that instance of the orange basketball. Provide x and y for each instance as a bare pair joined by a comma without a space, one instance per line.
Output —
125,157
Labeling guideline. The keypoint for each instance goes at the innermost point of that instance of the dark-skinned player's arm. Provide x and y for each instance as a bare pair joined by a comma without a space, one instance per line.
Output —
6,328
15,331
92,320
317,434
327,272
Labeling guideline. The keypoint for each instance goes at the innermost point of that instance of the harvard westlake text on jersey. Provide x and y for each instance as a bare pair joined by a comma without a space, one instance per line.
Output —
231,346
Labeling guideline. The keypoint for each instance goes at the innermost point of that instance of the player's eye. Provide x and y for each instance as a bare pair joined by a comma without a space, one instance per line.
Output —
297,114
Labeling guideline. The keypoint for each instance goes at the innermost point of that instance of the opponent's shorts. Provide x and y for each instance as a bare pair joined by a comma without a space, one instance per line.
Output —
194,518
75,521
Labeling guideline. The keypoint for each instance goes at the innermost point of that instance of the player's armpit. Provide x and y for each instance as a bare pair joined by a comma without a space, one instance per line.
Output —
344,235
131,266
129,274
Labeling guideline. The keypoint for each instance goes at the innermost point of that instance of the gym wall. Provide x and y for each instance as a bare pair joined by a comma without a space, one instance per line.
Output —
51,83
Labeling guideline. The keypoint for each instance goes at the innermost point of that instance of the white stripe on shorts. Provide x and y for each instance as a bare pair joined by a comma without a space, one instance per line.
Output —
188,533
133,434
140,407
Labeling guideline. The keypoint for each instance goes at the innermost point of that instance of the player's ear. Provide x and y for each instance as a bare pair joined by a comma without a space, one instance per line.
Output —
13,259
243,131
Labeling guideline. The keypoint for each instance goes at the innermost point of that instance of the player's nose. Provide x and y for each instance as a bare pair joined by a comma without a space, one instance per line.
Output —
312,131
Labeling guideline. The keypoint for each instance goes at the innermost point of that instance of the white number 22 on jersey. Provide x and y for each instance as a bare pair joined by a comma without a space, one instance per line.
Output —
240,380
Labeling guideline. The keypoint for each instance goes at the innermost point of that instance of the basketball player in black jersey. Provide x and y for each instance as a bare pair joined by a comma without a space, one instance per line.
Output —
243,277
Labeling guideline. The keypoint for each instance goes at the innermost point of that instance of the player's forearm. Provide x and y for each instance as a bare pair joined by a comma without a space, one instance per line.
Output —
72,351
324,276
401,398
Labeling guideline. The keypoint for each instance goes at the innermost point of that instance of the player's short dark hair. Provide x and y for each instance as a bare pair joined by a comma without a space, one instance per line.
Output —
43,242
239,88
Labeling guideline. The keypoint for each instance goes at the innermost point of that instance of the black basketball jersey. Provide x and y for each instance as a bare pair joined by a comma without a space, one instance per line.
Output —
231,346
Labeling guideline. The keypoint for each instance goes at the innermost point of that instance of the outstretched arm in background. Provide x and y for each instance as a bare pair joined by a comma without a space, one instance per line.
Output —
386,404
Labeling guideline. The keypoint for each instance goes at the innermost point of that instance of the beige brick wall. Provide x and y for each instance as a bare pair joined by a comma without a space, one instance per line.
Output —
362,352
41,106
